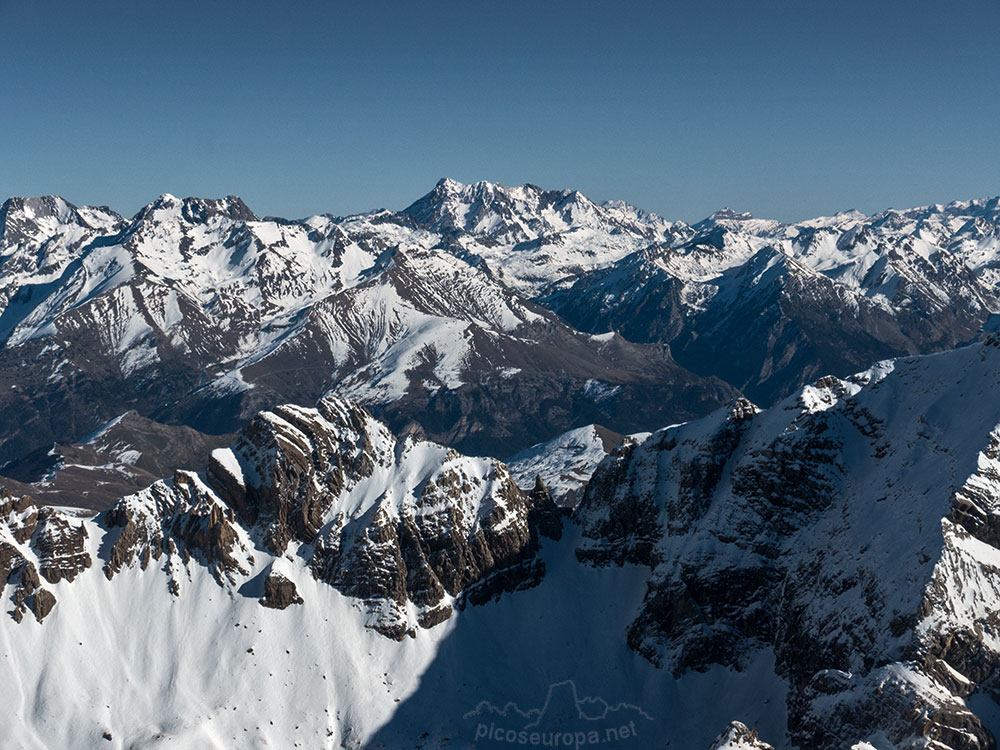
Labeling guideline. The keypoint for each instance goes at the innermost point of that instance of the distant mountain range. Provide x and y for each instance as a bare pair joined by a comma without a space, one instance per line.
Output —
486,317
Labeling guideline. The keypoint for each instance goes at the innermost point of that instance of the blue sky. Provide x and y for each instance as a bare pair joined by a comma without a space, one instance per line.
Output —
786,109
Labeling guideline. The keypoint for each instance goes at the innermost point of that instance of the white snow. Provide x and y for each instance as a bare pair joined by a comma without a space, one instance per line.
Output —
564,463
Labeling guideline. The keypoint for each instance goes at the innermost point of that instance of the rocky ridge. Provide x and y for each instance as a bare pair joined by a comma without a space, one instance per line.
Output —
411,529
845,529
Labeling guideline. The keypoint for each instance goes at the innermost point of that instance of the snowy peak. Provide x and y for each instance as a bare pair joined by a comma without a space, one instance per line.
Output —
565,462
33,224
534,238
196,210
40,208
231,314
737,221
498,213
35,216
728,214
509,215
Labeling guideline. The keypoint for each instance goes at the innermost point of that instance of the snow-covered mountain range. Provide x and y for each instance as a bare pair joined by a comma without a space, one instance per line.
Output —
768,306
486,317
752,497
197,312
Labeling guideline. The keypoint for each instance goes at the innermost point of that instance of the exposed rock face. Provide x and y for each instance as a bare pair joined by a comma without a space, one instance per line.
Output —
33,539
42,603
456,530
279,592
298,461
835,530
185,522
61,546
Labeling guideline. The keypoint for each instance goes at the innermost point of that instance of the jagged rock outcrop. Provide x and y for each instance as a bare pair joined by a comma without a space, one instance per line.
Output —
182,521
36,544
298,460
61,546
849,530
279,592
455,529
739,737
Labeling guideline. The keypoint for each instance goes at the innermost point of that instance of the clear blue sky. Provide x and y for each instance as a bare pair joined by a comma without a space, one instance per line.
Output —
788,109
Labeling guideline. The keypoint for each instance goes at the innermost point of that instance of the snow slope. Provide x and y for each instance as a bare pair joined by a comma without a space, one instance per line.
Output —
565,462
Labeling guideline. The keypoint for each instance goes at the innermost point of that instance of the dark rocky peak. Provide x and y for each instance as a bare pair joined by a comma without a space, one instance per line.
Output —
201,210
34,221
194,210
279,592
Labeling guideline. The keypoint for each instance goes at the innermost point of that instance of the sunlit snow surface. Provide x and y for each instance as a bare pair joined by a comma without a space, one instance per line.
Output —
214,669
